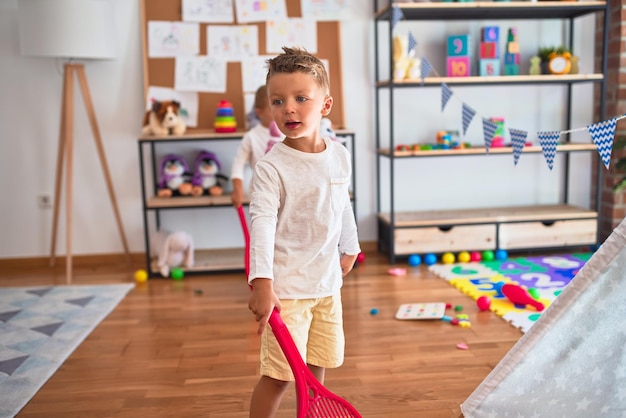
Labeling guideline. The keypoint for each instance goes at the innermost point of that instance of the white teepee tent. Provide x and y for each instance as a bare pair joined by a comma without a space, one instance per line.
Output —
572,361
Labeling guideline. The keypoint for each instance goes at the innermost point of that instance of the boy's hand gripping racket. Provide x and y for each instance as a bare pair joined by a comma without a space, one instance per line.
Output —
314,400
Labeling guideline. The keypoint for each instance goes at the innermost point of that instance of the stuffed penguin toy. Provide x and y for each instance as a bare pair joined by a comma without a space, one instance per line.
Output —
175,177
207,179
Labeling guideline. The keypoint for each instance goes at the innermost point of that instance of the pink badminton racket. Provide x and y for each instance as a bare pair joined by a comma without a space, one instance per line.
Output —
314,400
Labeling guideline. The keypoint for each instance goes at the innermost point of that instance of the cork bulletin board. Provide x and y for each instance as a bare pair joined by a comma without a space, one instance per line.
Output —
160,71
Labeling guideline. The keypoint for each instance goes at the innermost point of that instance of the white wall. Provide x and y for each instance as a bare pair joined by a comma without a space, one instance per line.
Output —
29,122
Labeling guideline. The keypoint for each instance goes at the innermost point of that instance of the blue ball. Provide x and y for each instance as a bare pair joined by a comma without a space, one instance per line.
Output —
430,259
374,311
415,260
501,255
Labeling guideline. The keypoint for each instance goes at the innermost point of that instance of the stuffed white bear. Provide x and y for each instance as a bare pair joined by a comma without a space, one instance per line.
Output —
171,249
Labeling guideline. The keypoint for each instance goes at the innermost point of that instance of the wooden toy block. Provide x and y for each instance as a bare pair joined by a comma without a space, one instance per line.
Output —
511,59
489,50
458,67
490,34
458,45
512,47
489,67
511,69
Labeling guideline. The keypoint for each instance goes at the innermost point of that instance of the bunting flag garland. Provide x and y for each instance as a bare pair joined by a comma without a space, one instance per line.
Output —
446,93
412,43
489,129
603,134
468,115
548,141
518,139
425,69
396,15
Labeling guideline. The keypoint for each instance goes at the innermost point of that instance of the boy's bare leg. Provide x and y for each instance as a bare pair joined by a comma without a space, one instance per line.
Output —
318,372
266,397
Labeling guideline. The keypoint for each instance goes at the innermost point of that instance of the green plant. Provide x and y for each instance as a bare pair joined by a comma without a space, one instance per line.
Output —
619,145
545,52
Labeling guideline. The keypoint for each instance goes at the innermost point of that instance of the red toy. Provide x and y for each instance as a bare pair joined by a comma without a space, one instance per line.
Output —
520,296
483,303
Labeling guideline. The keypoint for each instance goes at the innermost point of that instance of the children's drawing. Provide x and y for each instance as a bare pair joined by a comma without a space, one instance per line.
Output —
292,32
170,39
260,10
208,11
188,102
203,73
233,43
325,9
254,72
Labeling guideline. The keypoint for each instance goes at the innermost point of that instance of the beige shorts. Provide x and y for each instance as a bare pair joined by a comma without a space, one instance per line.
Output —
316,326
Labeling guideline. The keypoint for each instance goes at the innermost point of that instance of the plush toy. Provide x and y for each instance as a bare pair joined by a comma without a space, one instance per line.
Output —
405,64
163,119
207,179
175,177
171,249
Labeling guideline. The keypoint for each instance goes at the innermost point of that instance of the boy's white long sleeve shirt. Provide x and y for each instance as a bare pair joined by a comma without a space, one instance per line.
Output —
302,220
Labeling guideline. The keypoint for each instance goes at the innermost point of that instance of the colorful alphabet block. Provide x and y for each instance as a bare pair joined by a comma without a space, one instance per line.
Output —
458,67
489,67
490,34
458,46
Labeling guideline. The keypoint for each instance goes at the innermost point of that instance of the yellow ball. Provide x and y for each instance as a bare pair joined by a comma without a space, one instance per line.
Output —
447,258
464,257
141,276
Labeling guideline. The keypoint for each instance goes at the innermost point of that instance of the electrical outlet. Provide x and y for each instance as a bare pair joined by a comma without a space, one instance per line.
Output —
44,200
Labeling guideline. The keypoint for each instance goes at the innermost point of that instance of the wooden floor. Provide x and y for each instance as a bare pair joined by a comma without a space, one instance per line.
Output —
189,349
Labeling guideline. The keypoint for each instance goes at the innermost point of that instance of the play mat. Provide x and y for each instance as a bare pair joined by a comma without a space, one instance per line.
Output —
544,276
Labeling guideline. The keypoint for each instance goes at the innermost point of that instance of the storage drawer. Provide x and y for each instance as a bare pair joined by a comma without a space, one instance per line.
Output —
543,234
442,239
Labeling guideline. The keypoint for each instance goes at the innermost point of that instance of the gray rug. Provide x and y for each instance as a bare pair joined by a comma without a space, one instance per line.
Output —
39,328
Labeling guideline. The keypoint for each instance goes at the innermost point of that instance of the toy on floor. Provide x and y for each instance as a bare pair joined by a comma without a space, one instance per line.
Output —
171,249
141,276
207,179
175,177
520,296
164,119
434,310
483,303
414,260
177,273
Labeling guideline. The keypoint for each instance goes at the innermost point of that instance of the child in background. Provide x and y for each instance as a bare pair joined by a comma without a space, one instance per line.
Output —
253,145
303,232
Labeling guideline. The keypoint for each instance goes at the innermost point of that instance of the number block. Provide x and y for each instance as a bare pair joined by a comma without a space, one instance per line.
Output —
512,48
490,34
458,46
511,69
511,58
489,67
489,50
458,67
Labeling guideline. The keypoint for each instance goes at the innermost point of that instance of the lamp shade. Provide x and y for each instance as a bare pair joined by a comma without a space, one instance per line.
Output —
67,28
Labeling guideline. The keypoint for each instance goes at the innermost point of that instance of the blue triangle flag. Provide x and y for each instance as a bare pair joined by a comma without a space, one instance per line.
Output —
412,43
603,134
446,93
396,15
489,129
518,139
548,141
425,69
468,115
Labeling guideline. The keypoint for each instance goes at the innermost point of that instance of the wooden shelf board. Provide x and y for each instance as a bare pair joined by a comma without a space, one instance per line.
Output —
190,202
207,135
488,215
481,151
508,79
493,10
213,260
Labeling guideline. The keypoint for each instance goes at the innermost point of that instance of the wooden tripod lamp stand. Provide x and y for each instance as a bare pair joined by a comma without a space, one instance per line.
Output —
71,29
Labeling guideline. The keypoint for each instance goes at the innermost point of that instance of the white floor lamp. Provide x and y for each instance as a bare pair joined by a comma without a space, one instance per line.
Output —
71,29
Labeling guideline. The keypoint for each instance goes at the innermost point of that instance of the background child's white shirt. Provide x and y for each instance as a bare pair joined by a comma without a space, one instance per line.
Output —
252,148
301,220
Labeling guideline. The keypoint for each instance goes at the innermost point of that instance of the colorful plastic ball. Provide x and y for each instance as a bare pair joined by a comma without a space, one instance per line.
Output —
475,256
501,255
464,257
177,273
414,260
374,311
430,259
488,255
360,258
141,276
483,303
447,258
